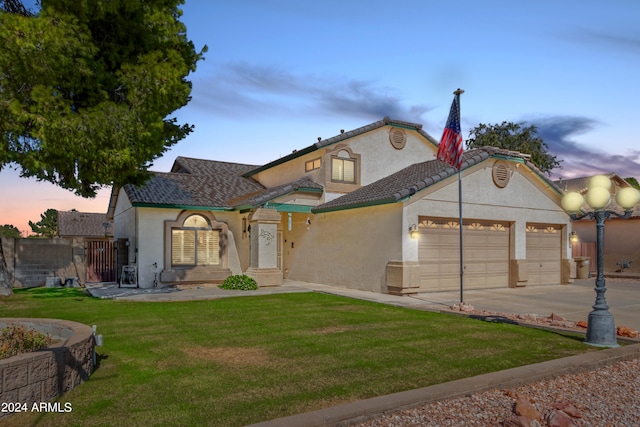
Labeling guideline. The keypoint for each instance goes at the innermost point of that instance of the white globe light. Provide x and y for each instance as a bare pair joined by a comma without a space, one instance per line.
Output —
598,197
572,202
627,198
600,181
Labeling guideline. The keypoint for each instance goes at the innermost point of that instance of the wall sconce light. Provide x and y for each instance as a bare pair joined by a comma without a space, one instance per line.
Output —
244,227
414,232
574,237
127,243
308,222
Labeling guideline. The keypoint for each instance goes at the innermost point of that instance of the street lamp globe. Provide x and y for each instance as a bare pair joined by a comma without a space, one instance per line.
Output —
627,198
598,197
572,202
600,181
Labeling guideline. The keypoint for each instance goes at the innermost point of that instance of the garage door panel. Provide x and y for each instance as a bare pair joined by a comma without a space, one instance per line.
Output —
485,256
544,255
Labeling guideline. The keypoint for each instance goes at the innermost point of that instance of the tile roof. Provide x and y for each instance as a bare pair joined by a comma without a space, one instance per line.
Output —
196,182
343,136
414,178
268,194
72,223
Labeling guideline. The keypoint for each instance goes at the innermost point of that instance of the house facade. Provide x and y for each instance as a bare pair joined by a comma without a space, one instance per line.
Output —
370,209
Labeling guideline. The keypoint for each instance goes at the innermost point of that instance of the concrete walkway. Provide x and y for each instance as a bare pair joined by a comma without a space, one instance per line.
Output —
570,301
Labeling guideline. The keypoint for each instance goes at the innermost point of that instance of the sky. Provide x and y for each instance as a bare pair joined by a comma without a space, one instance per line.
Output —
278,74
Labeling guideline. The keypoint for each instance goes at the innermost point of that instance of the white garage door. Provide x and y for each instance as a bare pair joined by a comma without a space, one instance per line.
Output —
544,254
485,254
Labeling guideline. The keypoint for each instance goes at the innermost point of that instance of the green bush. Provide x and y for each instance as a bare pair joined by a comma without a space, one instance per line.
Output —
239,282
16,339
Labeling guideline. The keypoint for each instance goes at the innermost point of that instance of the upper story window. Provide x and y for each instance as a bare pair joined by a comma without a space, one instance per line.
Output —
343,168
312,165
195,243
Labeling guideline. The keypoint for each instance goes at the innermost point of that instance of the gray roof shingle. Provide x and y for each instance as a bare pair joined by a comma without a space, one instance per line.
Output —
196,182
73,223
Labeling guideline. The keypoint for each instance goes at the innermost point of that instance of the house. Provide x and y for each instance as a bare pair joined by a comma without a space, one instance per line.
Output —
370,209
83,224
620,245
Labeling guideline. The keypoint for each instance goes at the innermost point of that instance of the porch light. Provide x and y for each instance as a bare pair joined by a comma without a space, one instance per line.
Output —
574,237
601,330
414,232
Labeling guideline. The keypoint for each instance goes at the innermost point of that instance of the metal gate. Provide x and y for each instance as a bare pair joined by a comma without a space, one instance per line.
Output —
100,261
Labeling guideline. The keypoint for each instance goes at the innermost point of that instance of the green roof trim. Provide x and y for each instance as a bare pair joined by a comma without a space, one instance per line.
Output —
512,158
286,207
186,207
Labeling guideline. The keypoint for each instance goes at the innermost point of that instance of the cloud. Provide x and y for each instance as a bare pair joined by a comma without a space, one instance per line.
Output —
239,90
578,160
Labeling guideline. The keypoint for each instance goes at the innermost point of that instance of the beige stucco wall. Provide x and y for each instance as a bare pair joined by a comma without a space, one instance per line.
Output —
148,245
348,248
378,158
524,200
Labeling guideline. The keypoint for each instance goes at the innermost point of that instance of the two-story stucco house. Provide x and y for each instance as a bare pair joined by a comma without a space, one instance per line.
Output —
370,208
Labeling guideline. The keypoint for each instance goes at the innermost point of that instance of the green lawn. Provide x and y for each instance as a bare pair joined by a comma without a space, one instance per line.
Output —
236,361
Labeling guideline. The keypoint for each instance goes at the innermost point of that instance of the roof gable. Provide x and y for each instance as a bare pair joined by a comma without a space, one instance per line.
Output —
344,136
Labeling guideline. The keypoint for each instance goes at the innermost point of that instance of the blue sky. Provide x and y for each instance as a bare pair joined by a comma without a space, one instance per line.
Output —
281,73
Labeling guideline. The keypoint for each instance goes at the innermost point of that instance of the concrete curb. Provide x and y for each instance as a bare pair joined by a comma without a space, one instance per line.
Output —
362,410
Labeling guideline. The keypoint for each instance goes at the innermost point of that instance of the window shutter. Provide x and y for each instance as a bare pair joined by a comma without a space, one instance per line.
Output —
208,247
183,250
349,171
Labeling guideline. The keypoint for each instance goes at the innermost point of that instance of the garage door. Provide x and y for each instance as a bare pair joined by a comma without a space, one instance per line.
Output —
544,255
485,254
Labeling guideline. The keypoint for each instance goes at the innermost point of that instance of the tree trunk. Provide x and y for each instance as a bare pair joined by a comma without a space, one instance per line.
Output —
5,282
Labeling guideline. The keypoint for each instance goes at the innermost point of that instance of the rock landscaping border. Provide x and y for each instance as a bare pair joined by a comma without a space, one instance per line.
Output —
43,375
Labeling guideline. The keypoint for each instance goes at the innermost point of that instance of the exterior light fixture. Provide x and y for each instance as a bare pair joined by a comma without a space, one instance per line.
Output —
574,237
601,330
414,232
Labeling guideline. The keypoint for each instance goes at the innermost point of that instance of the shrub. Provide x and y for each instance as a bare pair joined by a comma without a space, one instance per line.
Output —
16,339
239,282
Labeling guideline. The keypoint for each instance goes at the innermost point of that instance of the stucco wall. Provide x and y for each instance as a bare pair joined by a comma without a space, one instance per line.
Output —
379,158
348,248
149,245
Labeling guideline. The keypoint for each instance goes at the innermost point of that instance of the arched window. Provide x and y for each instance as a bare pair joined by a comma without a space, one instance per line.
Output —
343,167
195,243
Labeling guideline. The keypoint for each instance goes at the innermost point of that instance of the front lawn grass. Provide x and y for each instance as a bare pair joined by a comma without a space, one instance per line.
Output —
237,361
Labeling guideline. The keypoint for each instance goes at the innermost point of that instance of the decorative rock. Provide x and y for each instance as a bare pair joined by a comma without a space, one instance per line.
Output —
518,421
568,408
582,324
558,418
623,331
556,318
525,408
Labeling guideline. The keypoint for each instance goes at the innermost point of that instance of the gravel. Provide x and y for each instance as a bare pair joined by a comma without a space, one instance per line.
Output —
608,396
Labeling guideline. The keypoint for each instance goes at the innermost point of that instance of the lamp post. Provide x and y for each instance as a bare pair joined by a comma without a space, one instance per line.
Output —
601,330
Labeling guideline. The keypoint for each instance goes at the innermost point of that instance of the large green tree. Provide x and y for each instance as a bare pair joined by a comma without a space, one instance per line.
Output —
514,137
47,226
88,87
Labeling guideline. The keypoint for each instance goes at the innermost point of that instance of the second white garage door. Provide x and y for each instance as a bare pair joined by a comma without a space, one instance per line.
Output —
544,256
485,255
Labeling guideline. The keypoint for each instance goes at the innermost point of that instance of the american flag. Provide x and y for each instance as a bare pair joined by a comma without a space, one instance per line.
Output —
450,150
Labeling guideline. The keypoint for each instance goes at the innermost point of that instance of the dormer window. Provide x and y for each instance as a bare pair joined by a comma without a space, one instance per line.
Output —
343,168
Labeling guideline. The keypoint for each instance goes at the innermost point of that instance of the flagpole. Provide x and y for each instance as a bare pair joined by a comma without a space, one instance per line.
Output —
457,93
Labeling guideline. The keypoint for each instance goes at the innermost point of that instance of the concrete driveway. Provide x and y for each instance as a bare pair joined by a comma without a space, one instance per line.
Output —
573,302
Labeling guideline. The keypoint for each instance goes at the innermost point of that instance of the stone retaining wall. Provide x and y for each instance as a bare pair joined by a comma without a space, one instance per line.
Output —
43,375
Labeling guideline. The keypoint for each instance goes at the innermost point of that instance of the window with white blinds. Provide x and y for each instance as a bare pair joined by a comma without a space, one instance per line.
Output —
343,170
195,246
